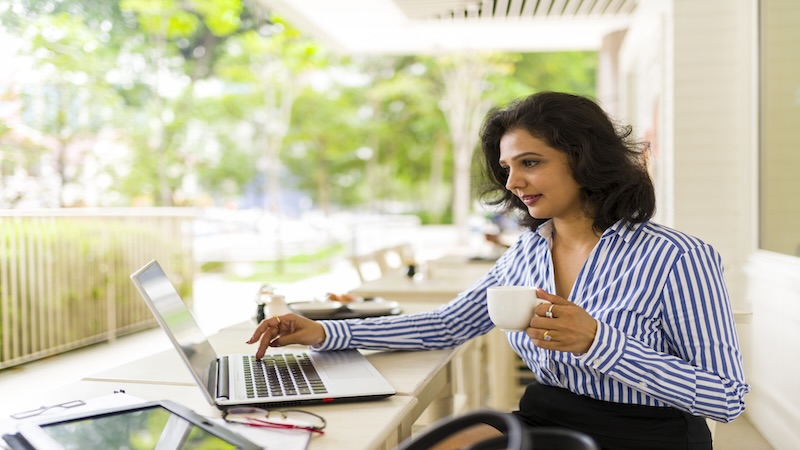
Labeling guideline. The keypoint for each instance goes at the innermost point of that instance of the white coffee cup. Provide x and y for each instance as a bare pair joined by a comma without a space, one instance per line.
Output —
511,307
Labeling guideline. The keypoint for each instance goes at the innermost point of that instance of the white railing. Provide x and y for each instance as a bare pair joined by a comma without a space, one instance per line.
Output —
65,275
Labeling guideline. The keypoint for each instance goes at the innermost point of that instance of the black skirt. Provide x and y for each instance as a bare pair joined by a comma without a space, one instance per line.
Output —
615,426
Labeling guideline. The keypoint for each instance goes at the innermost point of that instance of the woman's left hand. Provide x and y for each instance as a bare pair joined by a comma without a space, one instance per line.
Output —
570,329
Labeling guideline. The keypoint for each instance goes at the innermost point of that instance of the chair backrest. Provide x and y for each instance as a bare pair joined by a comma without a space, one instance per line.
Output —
545,438
376,263
514,434
367,266
395,256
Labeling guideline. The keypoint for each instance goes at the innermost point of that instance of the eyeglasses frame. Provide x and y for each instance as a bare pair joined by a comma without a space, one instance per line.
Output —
258,422
40,410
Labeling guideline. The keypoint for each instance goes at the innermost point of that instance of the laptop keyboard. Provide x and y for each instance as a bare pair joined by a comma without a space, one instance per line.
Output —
280,375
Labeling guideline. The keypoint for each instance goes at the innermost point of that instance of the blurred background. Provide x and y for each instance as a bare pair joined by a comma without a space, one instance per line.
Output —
226,108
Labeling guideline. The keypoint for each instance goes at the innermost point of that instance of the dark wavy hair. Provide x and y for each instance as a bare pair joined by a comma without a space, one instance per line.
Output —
609,167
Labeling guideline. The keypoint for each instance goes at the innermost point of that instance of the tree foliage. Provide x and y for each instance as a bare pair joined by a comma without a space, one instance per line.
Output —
218,102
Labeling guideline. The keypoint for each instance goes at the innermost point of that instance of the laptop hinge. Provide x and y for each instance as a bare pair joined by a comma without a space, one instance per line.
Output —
223,385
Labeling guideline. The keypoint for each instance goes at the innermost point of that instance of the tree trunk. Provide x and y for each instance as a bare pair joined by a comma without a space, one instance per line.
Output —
463,108
278,116
323,180
436,200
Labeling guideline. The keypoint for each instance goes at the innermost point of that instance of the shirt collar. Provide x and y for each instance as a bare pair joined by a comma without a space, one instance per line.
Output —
545,230
624,229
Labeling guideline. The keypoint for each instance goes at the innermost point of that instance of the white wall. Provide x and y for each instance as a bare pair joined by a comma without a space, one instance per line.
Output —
774,279
773,406
714,66
695,62
705,80
645,94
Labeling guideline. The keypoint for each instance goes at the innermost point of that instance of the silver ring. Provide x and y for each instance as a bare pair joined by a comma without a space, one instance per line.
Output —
549,313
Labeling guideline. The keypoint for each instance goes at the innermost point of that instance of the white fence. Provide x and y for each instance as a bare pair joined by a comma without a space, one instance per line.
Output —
64,275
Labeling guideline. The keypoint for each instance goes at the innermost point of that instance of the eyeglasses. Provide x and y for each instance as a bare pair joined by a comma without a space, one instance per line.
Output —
289,419
41,409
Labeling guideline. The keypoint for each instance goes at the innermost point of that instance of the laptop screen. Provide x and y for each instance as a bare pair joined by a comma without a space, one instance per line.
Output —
176,319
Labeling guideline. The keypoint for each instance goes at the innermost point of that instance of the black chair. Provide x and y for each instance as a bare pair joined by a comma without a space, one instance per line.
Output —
515,435
545,438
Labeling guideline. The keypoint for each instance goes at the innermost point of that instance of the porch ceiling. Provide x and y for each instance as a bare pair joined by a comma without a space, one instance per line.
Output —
431,26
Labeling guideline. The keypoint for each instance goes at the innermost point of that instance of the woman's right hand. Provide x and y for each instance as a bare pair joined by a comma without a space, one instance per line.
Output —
287,329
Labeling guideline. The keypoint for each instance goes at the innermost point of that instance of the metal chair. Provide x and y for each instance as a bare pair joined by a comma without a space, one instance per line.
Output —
515,435
545,439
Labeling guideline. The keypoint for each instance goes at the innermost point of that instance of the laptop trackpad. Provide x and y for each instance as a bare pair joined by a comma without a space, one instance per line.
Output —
344,372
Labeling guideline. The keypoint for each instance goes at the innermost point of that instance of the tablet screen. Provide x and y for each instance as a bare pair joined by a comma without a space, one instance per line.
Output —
146,428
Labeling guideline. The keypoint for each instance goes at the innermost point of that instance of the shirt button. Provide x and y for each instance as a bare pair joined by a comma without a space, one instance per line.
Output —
642,384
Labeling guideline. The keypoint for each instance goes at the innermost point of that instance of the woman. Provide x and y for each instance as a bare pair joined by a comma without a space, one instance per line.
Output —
640,345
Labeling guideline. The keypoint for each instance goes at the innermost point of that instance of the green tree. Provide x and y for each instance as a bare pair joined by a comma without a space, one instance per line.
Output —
68,62
473,83
465,80
214,96
378,137
324,152
385,140
574,72
178,46
271,65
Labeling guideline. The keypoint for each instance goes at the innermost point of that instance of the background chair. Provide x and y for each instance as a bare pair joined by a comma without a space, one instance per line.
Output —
367,266
395,256
372,265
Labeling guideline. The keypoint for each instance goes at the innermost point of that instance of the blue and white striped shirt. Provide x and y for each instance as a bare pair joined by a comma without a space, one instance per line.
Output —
665,328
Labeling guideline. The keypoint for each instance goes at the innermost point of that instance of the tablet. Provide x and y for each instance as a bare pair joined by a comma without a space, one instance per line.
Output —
153,425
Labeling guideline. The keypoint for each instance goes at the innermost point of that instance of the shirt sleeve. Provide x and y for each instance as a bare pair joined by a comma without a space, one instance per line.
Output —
702,371
448,326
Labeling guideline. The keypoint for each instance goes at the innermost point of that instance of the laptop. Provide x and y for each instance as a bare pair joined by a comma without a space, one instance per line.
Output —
281,378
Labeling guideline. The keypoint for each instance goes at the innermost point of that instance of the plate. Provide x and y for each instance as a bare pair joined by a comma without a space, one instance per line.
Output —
316,308
372,308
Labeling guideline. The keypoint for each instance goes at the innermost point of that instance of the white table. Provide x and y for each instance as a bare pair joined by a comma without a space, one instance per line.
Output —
402,369
378,424
422,380
485,372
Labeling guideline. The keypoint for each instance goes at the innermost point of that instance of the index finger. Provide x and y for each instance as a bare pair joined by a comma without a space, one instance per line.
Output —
265,333
266,338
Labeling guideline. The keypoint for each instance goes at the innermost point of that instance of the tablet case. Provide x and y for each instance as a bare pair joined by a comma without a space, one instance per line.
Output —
17,441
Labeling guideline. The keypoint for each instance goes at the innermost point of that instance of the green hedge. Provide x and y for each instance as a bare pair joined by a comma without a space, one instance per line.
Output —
60,275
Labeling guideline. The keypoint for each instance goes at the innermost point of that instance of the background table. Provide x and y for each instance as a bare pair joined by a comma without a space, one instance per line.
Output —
440,282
